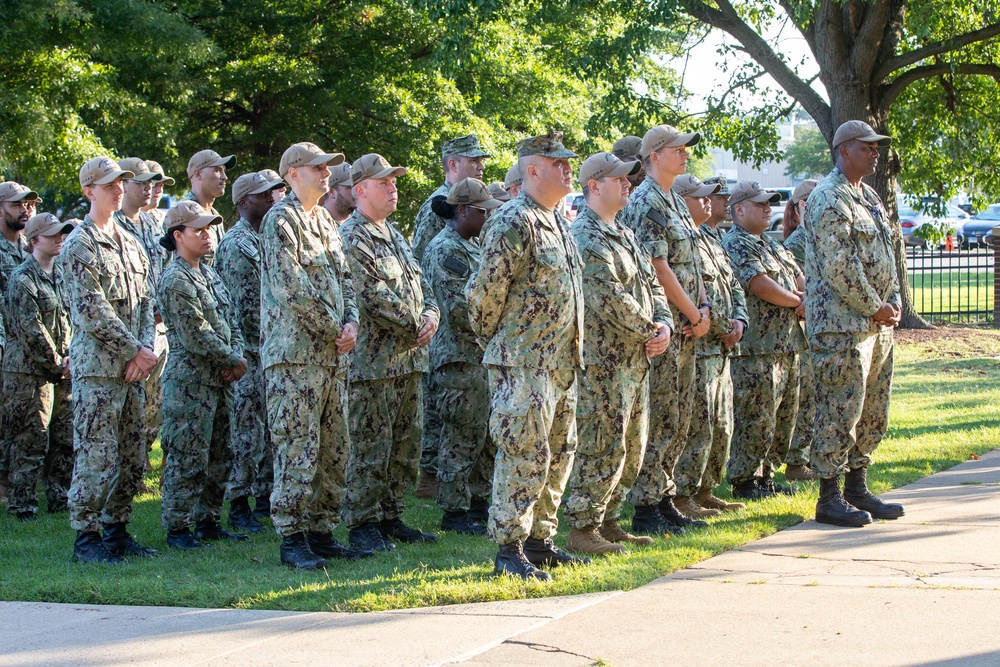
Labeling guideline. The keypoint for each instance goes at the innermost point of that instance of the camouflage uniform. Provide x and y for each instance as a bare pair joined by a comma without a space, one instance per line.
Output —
11,256
307,297
465,461
204,340
149,232
850,271
701,466
765,372
662,223
39,419
112,313
623,303
426,227
215,231
526,304
798,453
238,262
386,416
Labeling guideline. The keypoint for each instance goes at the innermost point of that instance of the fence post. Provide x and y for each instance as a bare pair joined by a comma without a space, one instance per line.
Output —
996,279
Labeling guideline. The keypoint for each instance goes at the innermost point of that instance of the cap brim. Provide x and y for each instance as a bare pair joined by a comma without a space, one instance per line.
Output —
30,195
503,198
704,190
475,153
151,176
64,228
880,139
772,197
391,171
228,162
562,153
489,204
203,221
267,187
112,176
689,139
166,180
331,159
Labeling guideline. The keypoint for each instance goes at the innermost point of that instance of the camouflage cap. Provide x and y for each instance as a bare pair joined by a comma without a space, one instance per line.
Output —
545,145
155,166
628,147
101,171
467,146
687,185
373,165
46,224
665,136
513,177
207,158
253,183
340,175
499,192
306,154
472,192
11,191
189,213
723,182
751,191
140,169
803,190
605,165
860,130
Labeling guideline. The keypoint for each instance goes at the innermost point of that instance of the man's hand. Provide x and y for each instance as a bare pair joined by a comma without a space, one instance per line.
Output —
141,365
702,329
888,315
236,372
348,337
481,344
658,345
66,372
734,336
426,331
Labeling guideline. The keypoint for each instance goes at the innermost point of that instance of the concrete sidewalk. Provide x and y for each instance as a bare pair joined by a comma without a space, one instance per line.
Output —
923,590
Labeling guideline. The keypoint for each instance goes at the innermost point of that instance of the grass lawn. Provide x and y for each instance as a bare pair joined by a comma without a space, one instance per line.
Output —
947,387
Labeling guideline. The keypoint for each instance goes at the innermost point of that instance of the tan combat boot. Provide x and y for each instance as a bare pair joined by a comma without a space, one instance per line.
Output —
590,542
799,473
612,532
689,508
706,499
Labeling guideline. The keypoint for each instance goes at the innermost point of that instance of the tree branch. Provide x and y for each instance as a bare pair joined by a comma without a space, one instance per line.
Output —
865,49
944,46
893,90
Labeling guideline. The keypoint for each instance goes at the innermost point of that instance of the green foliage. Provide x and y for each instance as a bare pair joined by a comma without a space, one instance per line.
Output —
933,232
809,154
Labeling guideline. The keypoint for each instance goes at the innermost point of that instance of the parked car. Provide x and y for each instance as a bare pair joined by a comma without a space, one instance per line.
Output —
978,226
572,203
910,219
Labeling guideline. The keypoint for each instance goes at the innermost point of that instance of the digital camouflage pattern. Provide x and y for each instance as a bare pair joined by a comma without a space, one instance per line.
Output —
112,315
204,340
307,297
465,453
703,464
427,224
11,256
39,408
796,244
623,303
850,271
724,292
394,297
237,260
526,305
798,453
385,426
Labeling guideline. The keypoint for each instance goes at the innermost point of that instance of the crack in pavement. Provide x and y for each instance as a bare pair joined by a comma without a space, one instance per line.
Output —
548,648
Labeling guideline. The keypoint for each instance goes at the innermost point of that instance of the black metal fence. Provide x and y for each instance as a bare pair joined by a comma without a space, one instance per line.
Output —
953,285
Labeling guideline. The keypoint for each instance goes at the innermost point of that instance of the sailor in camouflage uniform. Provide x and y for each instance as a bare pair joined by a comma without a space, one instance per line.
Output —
627,321
526,305
39,419
17,206
398,319
237,261
105,270
308,324
765,371
461,158
465,461
339,201
153,207
852,306
662,223
702,464
206,357
207,172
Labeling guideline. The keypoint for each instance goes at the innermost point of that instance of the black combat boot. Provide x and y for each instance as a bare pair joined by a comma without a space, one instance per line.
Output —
462,522
367,536
295,553
396,529
262,507
545,552
649,521
89,548
511,560
479,510
672,515
323,544
120,543
833,509
241,516
751,490
767,482
856,492
208,530
181,538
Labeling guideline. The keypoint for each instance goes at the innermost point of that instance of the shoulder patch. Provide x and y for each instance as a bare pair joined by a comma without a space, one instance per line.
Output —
456,266
81,252
22,281
363,248
513,239
657,217
248,248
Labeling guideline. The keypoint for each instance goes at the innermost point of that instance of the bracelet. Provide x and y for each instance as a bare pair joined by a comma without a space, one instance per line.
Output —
698,323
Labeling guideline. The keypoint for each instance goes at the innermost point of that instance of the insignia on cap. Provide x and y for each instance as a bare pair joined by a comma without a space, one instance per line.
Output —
107,164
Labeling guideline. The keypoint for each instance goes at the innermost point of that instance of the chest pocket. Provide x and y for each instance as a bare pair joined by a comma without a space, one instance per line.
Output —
552,258
680,242
47,303
625,267
388,269
113,279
